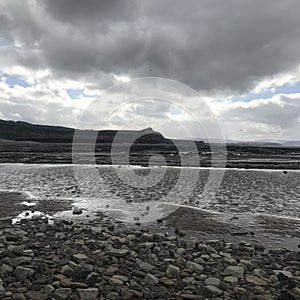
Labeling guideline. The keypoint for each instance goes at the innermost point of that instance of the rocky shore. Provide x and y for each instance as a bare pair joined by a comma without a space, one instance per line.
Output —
102,259
69,260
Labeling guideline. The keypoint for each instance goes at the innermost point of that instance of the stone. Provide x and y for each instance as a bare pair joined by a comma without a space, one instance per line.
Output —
14,262
80,256
285,273
118,252
22,273
16,249
273,278
191,297
173,271
62,293
28,252
231,279
68,283
36,295
151,279
212,281
259,247
194,267
2,290
258,272
180,251
67,270
256,280
115,282
77,211
121,277
5,269
146,266
39,235
88,294
234,271
49,289
112,296
19,296
296,290
212,290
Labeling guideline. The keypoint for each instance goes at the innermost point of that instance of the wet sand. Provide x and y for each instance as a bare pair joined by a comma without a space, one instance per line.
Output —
268,231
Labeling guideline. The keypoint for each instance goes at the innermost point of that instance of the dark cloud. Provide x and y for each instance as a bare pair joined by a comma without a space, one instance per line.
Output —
91,10
225,45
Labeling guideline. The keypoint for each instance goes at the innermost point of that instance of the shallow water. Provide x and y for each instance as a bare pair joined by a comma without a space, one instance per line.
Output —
252,191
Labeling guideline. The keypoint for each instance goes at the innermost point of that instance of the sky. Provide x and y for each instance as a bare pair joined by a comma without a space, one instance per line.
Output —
58,58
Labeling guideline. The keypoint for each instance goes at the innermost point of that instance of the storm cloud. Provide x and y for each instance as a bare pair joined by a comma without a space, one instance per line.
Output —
216,47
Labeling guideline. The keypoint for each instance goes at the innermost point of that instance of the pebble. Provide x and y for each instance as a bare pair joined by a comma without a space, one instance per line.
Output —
194,267
212,281
231,279
67,270
79,262
255,280
22,272
173,271
151,279
234,271
62,293
212,290
285,273
88,294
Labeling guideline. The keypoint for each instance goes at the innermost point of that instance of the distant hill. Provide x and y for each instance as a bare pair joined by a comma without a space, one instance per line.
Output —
23,131
291,144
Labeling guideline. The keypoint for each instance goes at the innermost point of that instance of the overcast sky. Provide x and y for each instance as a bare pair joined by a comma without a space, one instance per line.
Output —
241,56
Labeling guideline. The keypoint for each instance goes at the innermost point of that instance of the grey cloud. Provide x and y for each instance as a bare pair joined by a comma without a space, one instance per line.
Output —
209,45
281,111
77,11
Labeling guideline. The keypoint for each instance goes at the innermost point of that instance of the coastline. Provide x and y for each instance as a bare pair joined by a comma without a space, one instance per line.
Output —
200,256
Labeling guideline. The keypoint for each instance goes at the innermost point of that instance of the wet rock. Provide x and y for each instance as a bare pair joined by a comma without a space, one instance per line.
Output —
77,211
